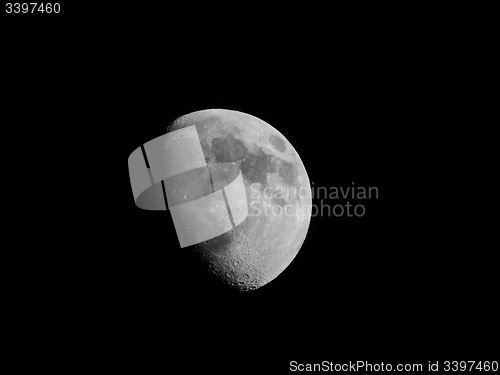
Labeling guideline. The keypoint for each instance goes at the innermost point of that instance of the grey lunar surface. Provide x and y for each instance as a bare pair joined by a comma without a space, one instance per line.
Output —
259,249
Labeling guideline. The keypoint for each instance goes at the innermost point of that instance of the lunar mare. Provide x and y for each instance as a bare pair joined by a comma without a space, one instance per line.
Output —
263,243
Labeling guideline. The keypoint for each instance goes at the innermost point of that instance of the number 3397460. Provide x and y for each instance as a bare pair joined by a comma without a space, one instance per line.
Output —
32,8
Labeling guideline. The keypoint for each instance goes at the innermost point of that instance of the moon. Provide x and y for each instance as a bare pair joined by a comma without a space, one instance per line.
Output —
277,189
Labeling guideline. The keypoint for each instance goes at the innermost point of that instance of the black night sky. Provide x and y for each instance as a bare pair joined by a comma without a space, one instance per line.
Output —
361,102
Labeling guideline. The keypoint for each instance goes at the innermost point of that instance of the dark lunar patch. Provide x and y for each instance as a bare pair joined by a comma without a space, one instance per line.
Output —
256,165
223,174
288,172
228,149
277,142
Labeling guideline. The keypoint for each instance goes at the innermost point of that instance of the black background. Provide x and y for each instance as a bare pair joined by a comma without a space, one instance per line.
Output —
360,99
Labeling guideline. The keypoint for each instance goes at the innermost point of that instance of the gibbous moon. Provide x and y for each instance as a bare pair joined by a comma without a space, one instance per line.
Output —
277,189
